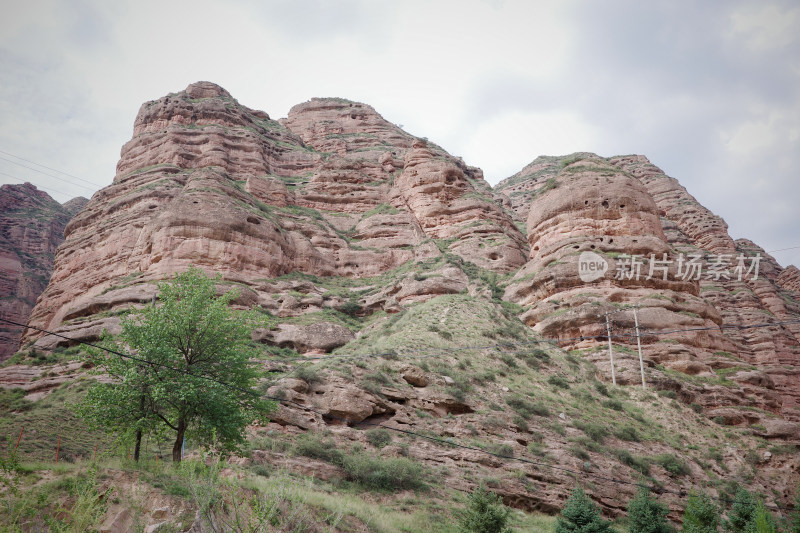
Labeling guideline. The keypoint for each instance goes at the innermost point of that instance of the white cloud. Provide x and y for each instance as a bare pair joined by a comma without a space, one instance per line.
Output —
765,27
500,143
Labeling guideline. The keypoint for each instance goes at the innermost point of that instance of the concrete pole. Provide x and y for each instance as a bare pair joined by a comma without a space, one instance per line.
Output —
639,345
610,351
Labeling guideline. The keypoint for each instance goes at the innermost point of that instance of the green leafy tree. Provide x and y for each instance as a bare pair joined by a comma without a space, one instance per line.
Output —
485,513
646,515
581,515
762,522
701,515
742,512
794,517
193,374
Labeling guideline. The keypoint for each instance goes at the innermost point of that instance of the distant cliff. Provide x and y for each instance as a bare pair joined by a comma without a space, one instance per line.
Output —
31,228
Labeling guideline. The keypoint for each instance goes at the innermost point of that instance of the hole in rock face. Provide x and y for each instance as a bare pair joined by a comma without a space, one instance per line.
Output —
151,206
253,220
605,204
622,206
592,247
586,202
195,202
352,116
610,241
494,256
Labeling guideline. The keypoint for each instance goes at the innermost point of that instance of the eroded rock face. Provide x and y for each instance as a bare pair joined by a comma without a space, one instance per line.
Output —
724,310
328,191
31,228
593,207
447,206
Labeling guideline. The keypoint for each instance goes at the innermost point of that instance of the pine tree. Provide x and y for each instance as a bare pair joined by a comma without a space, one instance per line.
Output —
762,522
581,515
485,513
701,515
794,518
741,513
646,515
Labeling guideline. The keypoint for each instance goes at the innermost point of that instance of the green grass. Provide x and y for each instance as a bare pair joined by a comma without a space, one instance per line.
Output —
45,421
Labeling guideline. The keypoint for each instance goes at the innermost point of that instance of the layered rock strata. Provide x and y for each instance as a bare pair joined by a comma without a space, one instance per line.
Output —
31,228
333,190
571,211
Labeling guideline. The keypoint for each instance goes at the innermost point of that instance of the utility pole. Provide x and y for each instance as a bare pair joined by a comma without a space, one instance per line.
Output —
610,351
639,345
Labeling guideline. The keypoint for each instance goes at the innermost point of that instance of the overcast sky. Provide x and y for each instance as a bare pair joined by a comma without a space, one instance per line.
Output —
709,91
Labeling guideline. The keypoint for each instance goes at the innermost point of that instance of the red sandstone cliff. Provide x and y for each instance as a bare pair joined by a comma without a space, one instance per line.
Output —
334,207
31,228
334,189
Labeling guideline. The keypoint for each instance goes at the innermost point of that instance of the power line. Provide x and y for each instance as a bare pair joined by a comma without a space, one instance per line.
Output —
48,168
448,442
784,249
36,185
93,189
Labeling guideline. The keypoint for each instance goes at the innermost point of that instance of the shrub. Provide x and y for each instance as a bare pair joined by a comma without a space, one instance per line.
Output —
594,431
696,407
12,400
351,308
701,515
508,361
526,408
646,515
485,513
581,515
307,373
370,472
378,437
601,388
383,474
262,470
521,423
637,463
558,381
794,517
457,393
613,404
506,450
672,464
671,394
537,448
313,446
579,452
628,433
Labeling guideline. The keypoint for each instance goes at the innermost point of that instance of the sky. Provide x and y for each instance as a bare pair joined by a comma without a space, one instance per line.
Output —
709,91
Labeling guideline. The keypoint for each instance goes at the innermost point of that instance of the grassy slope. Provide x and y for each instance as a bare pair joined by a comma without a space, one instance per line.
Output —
470,340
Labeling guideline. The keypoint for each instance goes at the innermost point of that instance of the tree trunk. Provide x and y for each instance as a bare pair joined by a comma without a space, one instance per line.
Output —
176,448
138,445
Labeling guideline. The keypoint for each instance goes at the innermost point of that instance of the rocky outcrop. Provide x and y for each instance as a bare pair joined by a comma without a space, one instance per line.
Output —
789,279
333,190
387,258
447,206
593,208
31,228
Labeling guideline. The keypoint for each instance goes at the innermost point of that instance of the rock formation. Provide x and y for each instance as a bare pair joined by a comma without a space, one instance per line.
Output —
332,190
624,208
31,228
398,259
